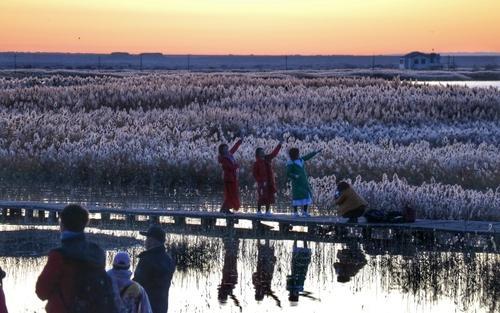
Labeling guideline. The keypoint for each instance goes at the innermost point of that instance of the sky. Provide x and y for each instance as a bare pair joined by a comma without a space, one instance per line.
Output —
261,27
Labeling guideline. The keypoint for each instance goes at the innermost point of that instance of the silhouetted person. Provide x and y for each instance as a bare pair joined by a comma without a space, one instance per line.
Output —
263,276
3,305
155,269
74,278
301,258
229,272
350,261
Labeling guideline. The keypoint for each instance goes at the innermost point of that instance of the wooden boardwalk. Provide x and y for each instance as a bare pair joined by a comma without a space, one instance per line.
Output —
40,211
51,210
443,235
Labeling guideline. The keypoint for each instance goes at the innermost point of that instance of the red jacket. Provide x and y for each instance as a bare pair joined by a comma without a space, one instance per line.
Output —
229,165
57,280
263,170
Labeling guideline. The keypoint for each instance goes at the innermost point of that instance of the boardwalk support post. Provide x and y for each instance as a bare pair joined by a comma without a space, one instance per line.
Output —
53,216
41,215
285,227
154,219
105,217
208,222
179,220
130,218
28,215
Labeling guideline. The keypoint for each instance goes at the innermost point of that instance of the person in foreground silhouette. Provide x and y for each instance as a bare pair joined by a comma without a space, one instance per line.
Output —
74,278
155,269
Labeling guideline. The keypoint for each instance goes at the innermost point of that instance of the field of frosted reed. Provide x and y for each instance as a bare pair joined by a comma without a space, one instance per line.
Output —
434,147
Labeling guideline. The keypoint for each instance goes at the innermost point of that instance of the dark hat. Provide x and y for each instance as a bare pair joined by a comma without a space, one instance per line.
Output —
155,232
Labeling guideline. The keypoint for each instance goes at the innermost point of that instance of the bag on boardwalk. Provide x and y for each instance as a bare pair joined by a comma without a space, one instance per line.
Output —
94,291
394,217
375,216
409,214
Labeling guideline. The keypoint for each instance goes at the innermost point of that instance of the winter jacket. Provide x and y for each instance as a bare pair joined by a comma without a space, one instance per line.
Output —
296,172
130,296
3,305
264,176
56,283
229,164
349,200
154,272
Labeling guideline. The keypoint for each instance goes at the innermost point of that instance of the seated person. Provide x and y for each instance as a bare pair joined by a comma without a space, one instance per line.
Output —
350,204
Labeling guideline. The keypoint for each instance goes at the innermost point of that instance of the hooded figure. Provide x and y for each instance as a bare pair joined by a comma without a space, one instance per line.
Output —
130,296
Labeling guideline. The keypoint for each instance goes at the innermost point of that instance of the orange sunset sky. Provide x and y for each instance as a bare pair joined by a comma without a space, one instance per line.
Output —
250,26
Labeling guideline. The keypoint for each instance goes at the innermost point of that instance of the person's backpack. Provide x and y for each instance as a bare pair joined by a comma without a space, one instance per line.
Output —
93,291
374,216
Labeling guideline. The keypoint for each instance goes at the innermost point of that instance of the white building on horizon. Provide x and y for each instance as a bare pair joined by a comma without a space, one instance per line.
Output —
420,61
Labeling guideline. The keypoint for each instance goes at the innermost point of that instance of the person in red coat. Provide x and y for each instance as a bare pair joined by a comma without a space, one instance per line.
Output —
230,176
57,282
264,176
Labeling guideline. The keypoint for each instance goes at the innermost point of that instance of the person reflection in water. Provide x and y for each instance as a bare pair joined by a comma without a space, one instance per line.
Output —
350,261
301,258
229,272
263,276
3,306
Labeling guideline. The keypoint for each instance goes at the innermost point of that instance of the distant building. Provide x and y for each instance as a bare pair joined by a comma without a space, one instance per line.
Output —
420,61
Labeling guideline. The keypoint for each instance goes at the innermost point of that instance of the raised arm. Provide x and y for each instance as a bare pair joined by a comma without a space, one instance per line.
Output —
310,155
236,146
275,152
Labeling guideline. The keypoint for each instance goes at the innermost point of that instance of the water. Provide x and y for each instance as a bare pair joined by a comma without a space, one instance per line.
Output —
471,83
349,276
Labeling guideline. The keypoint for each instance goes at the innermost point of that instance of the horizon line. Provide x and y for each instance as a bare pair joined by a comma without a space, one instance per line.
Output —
478,53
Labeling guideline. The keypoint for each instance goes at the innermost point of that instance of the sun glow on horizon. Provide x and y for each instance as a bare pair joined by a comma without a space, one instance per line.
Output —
250,26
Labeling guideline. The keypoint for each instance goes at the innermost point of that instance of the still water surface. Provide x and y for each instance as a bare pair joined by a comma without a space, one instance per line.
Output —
229,274
471,83
234,275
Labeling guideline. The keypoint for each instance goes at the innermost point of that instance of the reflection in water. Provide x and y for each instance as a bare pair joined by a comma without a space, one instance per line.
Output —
301,258
350,261
253,276
229,271
263,276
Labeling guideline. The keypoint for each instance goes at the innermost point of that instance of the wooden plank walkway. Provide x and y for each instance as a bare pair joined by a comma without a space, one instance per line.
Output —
27,208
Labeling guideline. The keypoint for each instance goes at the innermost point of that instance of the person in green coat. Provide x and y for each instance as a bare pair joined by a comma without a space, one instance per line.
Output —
296,172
